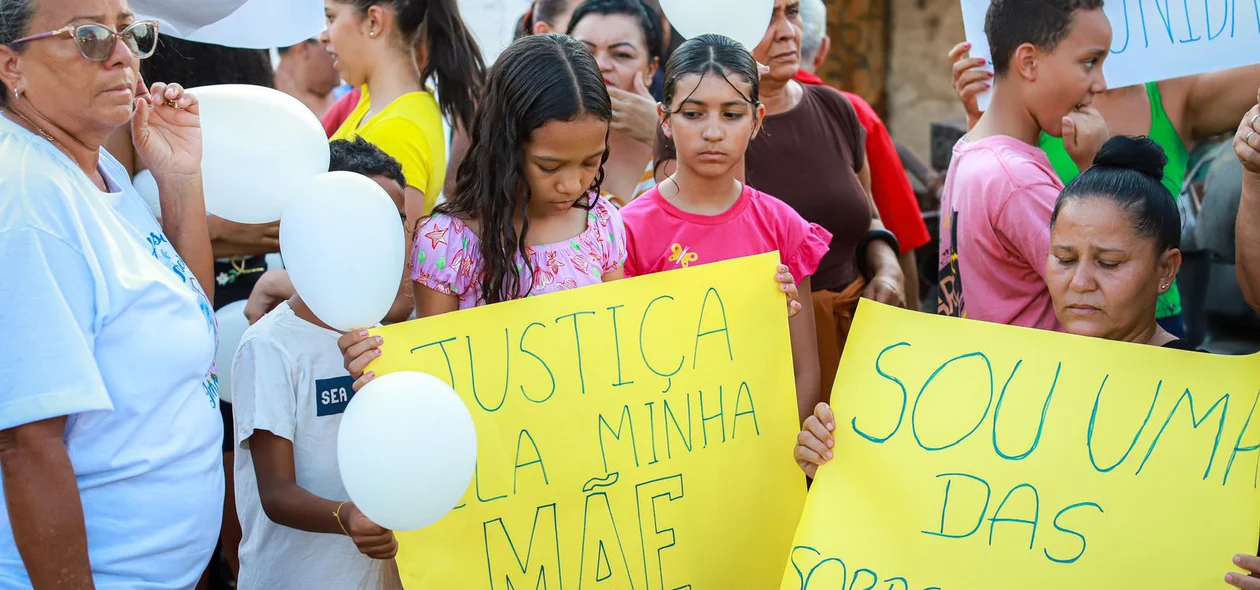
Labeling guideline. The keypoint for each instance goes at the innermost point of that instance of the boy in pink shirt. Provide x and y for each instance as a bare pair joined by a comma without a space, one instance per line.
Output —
1000,189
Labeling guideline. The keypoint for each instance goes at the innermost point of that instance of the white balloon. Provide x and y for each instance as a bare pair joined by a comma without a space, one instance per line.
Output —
232,325
247,24
745,21
184,16
343,246
146,185
259,147
406,449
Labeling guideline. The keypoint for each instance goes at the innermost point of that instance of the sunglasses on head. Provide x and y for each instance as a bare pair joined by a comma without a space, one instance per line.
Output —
97,41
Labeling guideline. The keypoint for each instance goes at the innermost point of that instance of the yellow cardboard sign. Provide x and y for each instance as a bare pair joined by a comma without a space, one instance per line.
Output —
975,456
636,434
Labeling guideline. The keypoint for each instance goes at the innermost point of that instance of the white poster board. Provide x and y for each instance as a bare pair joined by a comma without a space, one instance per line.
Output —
1157,39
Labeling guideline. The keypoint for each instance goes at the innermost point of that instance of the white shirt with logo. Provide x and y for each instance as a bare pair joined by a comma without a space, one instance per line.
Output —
102,322
288,379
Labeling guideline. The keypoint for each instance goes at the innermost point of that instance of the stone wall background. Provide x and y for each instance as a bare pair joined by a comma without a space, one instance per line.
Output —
894,54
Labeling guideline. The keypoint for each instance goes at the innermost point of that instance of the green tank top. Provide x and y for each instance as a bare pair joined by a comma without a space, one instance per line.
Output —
1163,133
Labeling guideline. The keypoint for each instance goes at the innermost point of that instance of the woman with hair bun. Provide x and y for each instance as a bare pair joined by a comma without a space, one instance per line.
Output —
1115,239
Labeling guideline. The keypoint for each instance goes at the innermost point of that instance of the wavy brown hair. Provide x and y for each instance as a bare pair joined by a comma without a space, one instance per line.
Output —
538,79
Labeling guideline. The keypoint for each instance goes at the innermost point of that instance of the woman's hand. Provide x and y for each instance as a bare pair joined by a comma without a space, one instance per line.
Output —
272,288
888,288
969,80
372,539
358,350
788,283
1247,141
634,113
814,443
1250,563
166,131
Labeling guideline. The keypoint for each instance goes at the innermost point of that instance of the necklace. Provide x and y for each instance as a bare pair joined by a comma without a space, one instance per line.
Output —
37,127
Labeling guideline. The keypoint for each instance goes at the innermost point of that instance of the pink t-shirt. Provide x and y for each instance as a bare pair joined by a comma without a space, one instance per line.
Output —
448,257
663,237
995,233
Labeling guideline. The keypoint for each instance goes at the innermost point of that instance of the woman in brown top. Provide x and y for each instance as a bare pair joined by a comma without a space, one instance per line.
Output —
811,155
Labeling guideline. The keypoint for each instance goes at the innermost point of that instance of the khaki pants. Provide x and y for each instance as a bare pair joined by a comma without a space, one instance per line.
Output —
833,316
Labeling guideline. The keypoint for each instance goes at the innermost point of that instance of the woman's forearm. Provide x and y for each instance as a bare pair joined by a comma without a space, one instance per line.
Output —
881,259
1248,238
184,223
45,511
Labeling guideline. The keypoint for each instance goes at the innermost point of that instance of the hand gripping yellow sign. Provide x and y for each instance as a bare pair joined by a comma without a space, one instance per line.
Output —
974,456
632,435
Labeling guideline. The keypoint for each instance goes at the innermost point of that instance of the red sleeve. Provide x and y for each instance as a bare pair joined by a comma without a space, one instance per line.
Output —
894,197
339,112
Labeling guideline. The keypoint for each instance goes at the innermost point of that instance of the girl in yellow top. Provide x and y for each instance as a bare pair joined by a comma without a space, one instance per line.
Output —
374,45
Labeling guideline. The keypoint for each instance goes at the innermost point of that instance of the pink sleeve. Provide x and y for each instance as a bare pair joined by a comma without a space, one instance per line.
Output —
612,235
445,255
1023,224
802,244
803,261
633,266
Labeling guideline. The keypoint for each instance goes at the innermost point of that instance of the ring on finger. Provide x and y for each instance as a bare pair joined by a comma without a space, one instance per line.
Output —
1247,139
1252,123
171,103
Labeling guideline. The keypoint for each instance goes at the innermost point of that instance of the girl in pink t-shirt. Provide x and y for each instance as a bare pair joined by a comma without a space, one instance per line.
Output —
703,213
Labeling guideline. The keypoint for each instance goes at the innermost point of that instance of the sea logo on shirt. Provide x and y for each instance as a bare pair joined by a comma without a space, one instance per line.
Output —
333,395
950,300
681,256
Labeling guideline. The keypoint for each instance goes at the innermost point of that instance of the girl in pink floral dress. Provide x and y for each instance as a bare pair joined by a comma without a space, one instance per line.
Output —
525,216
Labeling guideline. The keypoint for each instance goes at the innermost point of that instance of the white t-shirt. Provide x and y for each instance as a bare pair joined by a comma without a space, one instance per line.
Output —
288,379
102,322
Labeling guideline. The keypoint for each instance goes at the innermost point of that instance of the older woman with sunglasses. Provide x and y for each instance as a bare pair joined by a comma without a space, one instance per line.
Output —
109,431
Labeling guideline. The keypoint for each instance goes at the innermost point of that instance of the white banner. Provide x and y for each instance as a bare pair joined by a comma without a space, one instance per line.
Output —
1158,39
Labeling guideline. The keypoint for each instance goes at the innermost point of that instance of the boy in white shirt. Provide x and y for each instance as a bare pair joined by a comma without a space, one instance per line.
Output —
290,392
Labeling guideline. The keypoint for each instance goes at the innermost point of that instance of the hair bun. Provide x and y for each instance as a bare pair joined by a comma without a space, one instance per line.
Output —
1139,153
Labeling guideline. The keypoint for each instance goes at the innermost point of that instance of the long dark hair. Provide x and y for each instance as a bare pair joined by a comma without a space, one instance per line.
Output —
647,18
452,56
1128,171
537,79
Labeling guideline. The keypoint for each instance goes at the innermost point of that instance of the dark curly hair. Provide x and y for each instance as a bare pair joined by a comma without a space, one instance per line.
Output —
363,157
537,79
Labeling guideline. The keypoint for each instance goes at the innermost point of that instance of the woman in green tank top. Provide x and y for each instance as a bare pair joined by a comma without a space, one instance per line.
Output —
1162,132
1182,111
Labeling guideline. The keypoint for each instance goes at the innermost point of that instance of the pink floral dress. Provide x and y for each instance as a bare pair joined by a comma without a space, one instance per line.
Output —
448,257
